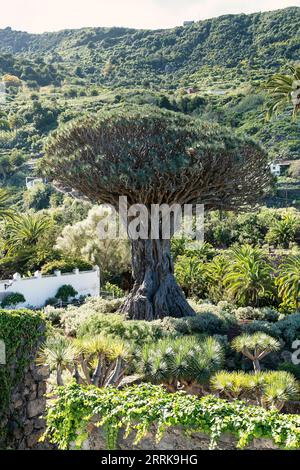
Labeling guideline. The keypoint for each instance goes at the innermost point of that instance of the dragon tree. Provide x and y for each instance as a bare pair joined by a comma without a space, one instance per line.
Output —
156,157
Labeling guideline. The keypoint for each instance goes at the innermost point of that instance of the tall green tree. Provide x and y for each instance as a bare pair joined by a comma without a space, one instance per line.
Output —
284,91
248,277
288,282
5,201
156,157
25,230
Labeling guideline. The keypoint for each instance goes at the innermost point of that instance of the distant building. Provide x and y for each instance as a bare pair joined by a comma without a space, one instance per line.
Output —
31,181
279,167
191,90
188,23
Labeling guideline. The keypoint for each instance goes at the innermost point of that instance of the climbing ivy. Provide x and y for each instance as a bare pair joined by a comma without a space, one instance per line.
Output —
20,331
137,408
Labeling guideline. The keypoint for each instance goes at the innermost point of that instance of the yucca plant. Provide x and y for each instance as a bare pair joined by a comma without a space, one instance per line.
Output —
186,362
255,347
103,359
268,389
248,277
59,353
284,90
232,385
288,282
279,388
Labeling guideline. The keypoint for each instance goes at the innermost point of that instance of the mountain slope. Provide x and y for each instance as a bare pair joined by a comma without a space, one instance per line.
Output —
264,40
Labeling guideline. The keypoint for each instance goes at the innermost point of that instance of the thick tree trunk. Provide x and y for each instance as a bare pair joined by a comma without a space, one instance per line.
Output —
155,293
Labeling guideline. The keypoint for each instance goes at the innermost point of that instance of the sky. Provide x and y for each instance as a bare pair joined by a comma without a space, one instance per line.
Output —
52,15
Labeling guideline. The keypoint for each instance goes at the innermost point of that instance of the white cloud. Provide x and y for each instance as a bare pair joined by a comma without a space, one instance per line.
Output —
49,15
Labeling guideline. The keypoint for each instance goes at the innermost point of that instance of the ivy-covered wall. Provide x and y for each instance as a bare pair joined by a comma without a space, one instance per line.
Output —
22,382
147,417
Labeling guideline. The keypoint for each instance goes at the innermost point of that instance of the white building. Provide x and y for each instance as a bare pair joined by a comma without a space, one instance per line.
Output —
36,290
188,22
278,167
31,181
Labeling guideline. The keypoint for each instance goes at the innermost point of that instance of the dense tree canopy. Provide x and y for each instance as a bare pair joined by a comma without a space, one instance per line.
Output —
156,157
153,156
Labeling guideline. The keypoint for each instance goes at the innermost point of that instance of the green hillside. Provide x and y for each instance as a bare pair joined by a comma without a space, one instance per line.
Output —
225,60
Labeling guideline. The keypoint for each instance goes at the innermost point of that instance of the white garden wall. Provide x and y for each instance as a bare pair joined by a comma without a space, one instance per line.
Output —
38,289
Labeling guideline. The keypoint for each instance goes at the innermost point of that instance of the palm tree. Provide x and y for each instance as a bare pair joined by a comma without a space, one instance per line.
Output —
255,347
248,277
283,231
5,211
288,281
191,274
25,230
216,271
284,90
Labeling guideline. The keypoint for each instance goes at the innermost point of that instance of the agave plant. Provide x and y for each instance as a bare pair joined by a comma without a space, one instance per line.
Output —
288,281
248,277
186,362
255,347
284,90
59,353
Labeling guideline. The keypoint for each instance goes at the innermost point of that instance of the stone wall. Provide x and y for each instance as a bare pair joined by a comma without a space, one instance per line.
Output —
25,419
173,439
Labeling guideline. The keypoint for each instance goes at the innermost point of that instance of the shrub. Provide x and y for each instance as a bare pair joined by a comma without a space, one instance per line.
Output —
191,275
137,331
291,368
270,389
73,317
114,290
186,362
13,299
286,329
65,292
250,313
282,232
66,266
51,301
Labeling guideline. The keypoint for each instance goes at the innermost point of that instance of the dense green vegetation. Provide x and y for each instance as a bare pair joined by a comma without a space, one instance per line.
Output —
242,284
136,409
223,60
20,331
